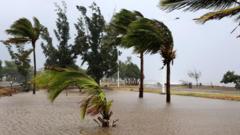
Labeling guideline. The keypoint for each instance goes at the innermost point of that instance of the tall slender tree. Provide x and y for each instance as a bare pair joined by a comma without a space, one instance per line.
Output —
168,55
119,27
23,31
63,54
92,42
152,36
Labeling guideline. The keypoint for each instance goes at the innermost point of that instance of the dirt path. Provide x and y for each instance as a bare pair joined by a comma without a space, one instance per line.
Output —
27,114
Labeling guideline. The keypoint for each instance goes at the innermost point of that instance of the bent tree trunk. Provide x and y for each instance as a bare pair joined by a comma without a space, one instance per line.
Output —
168,98
141,76
35,70
104,119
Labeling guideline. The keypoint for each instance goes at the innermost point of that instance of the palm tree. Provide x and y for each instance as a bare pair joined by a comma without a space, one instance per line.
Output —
119,26
152,36
145,36
22,32
222,8
95,101
168,55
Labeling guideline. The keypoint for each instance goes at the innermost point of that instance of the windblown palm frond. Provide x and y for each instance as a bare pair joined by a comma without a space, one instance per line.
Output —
21,28
193,5
147,36
222,8
225,7
38,28
55,80
121,20
16,40
219,14
168,54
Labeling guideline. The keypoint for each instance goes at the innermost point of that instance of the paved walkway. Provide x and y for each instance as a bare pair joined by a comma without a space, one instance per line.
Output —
27,114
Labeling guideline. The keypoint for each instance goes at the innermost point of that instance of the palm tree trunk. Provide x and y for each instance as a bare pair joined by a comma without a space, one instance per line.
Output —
35,69
168,98
141,76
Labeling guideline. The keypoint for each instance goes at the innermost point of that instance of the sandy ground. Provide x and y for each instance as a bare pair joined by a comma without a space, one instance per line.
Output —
27,114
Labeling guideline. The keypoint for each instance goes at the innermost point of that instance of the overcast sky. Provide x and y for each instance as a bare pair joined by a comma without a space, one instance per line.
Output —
209,48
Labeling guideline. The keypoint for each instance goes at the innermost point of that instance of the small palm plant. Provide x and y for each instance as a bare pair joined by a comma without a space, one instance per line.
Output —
55,80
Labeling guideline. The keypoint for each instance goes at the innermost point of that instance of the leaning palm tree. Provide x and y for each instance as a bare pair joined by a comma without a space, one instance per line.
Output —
22,32
119,27
56,80
168,55
152,36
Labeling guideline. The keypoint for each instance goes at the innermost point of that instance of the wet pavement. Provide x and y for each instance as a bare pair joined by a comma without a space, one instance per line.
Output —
27,114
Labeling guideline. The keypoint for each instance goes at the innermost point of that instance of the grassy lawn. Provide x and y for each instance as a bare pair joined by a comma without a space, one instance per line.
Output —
207,95
204,94
201,94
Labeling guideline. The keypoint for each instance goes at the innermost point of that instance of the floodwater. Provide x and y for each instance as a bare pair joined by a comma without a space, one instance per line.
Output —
27,114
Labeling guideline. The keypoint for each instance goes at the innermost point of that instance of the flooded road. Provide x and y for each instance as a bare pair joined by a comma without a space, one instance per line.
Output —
27,114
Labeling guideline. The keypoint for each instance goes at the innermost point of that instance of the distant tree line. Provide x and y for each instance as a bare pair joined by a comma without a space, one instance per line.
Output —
128,72
16,72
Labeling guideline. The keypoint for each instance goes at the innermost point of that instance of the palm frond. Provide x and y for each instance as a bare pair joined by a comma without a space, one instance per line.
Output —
16,40
121,20
21,27
24,29
55,80
219,14
193,5
167,53
147,36
37,27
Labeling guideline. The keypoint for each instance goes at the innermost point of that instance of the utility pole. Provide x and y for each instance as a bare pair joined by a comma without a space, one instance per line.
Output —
118,73
118,84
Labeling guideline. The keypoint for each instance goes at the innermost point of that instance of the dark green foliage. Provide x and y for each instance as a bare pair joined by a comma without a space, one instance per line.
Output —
49,50
22,61
63,55
123,19
129,72
95,101
147,36
231,77
93,43
10,70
